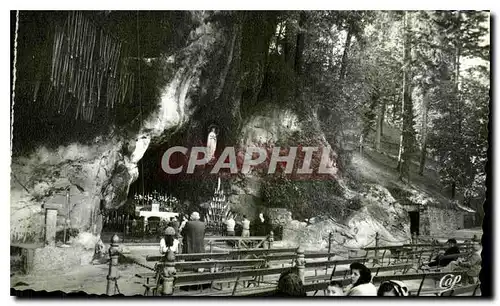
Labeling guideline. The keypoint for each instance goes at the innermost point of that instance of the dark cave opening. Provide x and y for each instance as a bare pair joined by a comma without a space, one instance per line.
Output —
191,189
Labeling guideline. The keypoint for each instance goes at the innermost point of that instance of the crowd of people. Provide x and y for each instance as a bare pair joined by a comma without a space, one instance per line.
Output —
192,231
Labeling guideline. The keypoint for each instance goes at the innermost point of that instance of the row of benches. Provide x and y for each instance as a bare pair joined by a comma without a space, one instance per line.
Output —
419,251
247,267
236,267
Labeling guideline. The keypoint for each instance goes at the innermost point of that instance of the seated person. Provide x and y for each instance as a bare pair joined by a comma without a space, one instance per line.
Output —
361,285
99,255
334,289
472,264
289,284
169,239
439,261
393,288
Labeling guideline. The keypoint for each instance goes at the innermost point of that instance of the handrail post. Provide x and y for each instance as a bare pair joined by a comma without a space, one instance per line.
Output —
180,245
270,240
301,264
414,241
377,237
330,238
168,273
113,266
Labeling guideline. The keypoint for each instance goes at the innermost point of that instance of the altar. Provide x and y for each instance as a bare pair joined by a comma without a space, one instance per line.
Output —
155,212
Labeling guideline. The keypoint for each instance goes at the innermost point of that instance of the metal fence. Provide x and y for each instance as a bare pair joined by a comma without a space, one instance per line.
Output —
138,230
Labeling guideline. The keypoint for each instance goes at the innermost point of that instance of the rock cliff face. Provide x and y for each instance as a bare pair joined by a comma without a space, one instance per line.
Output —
104,169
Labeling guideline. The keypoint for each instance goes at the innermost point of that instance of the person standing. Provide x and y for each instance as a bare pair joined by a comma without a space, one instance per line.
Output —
230,223
246,227
193,234
183,223
260,226
175,225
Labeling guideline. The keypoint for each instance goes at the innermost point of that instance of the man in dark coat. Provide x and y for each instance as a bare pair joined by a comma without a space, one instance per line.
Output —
194,234
439,261
261,226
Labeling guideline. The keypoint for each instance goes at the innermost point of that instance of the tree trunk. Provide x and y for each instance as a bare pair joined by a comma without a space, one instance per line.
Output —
289,44
380,123
342,74
343,64
395,107
300,44
401,139
457,75
423,148
382,118
406,126
361,144
400,153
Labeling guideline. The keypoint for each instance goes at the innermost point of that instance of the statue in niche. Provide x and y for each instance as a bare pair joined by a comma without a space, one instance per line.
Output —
211,143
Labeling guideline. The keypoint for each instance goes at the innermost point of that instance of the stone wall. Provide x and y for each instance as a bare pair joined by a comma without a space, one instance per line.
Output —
440,222
424,222
56,259
279,216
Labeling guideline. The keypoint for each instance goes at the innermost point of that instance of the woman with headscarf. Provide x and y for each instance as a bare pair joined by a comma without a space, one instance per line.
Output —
169,241
361,278
393,288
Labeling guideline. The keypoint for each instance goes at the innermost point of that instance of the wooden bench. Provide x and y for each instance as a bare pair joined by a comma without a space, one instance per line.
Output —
435,276
407,252
247,277
330,263
264,259
339,275
236,254
212,266
396,251
240,276
447,257
460,290
240,242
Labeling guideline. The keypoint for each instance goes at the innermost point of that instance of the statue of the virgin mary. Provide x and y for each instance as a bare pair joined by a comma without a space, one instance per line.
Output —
211,143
